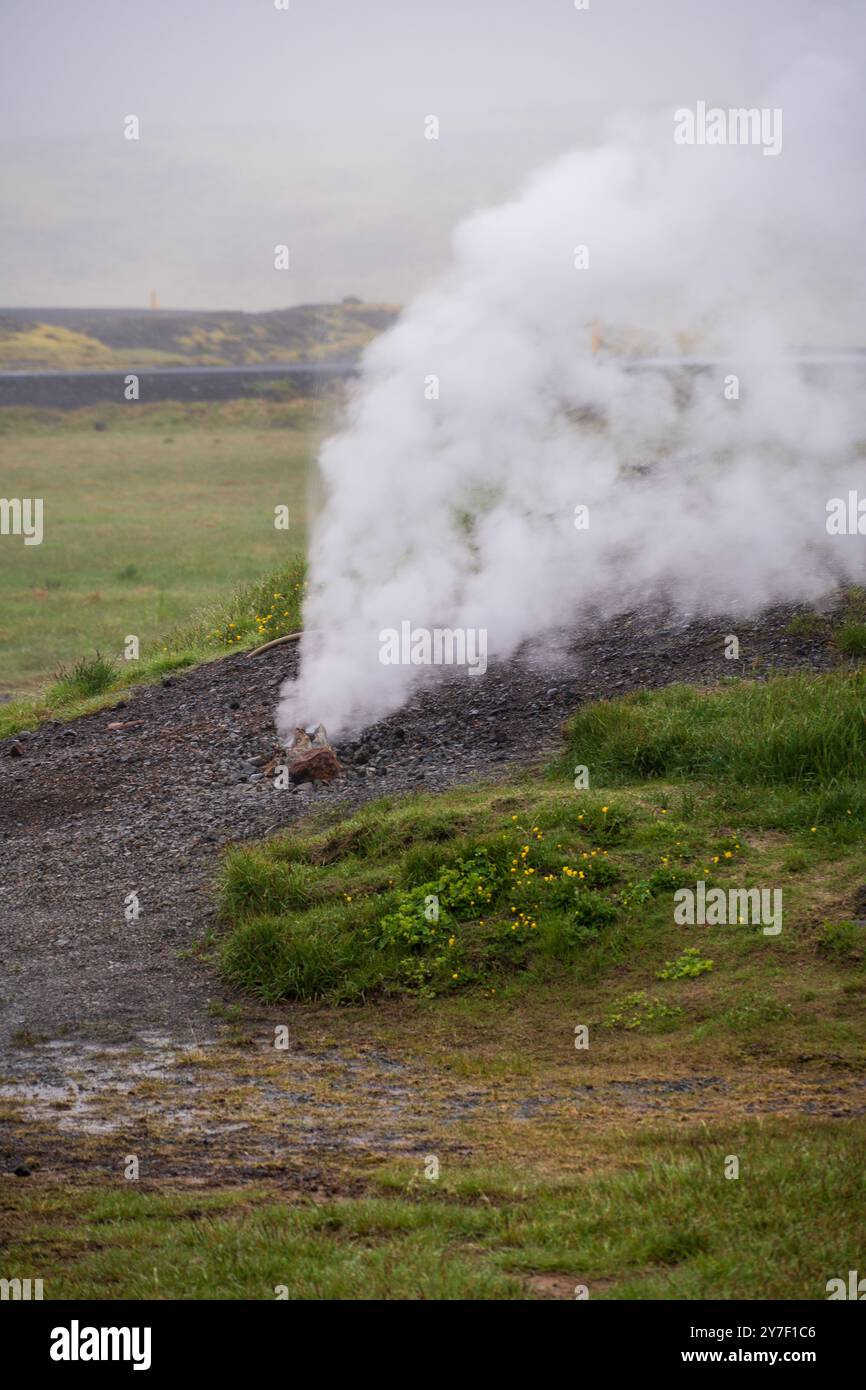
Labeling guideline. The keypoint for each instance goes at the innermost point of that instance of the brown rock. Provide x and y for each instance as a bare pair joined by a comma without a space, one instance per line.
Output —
316,765
312,759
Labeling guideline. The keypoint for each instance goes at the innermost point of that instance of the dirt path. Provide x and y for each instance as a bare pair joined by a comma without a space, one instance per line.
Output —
90,814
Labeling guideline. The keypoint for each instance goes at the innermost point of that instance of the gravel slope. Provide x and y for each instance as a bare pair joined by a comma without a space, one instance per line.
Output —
89,814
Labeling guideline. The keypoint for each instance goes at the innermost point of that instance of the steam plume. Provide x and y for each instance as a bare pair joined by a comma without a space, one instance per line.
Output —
459,511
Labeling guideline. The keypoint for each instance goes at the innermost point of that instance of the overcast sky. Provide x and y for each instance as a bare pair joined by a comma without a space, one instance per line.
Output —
306,127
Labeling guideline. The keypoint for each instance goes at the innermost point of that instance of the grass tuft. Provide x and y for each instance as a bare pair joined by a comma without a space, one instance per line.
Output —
89,676
851,639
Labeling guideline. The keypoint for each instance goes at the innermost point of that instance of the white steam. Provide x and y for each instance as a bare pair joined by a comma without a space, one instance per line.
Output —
459,511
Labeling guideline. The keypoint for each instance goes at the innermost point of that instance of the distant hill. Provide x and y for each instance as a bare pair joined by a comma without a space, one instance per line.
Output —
70,339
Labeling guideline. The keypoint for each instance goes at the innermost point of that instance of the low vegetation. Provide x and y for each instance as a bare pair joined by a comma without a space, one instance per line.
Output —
499,892
778,1233
803,731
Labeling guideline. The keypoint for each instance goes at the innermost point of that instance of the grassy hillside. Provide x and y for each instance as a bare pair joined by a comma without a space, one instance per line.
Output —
536,879
74,339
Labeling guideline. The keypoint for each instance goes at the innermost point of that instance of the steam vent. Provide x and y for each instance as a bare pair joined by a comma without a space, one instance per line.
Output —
312,759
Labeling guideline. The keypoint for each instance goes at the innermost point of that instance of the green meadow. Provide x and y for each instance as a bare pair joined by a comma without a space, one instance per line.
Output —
151,513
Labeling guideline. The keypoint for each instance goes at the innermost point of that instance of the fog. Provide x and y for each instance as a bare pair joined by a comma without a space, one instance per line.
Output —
306,127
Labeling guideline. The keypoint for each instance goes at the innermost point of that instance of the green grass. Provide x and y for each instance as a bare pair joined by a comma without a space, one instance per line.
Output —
844,624
173,554
794,731
851,639
537,883
251,615
807,624
343,913
42,347
780,1230
168,510
845,940
89,676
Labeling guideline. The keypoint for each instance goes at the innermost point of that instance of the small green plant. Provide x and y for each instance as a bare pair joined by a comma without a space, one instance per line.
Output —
755,1010
795,862
463,891
229,1013
663,880
686,967
599,873
842,940
635,894
805,624
409,926
604,824
667,880
639,1013
851,639
593,911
